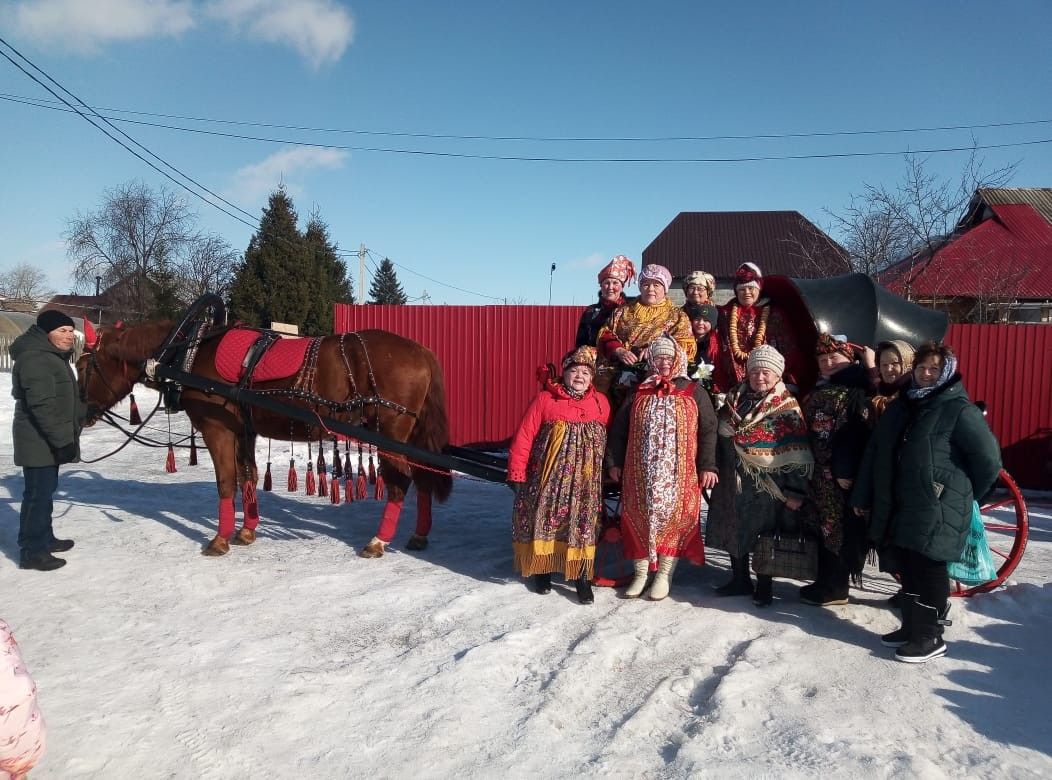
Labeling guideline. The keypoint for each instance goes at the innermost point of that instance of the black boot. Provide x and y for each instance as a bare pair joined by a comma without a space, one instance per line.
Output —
831,586
901,635
926,640
895,602
584,590
740,583
542,583
60,545
764,595
43,561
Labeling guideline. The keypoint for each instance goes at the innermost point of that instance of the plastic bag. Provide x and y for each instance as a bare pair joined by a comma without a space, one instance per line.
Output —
976,565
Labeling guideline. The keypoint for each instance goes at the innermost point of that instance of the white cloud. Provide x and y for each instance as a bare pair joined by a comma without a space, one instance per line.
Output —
319,30
594,260
87,26
255,182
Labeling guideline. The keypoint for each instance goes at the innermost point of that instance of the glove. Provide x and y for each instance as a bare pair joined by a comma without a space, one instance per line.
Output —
67,453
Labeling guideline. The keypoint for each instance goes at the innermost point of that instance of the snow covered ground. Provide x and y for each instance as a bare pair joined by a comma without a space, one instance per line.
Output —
296,658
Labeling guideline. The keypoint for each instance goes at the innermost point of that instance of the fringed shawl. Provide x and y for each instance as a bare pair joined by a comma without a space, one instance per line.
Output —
771,437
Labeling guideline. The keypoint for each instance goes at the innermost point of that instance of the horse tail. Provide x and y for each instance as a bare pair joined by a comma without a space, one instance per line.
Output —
431,432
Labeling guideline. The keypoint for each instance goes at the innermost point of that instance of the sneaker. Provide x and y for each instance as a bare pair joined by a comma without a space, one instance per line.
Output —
60,545
44,561
920,650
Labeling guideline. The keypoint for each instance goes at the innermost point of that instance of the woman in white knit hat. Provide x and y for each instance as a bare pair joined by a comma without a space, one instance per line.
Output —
765,465
662,448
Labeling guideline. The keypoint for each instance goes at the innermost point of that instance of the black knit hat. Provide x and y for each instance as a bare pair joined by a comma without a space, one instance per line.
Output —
50,319
701,311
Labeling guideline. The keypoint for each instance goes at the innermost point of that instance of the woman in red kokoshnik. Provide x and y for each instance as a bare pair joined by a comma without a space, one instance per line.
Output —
747,322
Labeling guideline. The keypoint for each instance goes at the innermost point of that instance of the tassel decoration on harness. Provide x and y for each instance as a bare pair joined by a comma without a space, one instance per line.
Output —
134,417
323,482
348,486
362,483
379,489
312,484
268,481
193,447
372,470
334,486
169,463
346,459
293,479
337,463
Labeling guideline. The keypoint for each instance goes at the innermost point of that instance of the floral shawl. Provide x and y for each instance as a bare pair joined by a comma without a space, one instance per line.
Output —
634,326
770,437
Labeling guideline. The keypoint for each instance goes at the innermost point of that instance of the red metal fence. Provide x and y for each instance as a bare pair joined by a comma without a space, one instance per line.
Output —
490,354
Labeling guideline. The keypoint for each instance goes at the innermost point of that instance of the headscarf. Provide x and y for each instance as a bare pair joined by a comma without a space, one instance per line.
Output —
702,279
949,368
656,273
748,274
620,268
829,344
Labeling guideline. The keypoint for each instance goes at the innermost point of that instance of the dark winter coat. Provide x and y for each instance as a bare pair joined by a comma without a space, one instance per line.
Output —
927,460
593,319
49,414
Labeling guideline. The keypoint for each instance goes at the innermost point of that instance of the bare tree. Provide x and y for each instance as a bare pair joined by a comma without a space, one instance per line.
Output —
25,283
883,225
137,236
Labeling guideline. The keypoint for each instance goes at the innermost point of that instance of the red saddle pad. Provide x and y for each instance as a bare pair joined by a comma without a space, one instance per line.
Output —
283,359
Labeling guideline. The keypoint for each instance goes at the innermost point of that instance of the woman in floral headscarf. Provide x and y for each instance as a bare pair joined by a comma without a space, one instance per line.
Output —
663,451
765,465
747,322
555,467
699,287
837,413
892,362
624,340
613,279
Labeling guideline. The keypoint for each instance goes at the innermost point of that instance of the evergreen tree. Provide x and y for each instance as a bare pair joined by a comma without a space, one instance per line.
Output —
163,287
329,275
386,287
273,282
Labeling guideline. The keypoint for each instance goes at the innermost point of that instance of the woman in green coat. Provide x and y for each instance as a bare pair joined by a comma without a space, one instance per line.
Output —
49,415
930,456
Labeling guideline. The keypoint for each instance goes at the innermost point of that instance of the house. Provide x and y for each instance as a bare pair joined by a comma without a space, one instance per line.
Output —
996,266
779,242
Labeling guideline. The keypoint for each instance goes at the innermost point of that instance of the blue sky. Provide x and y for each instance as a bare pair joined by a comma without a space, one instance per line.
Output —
541,70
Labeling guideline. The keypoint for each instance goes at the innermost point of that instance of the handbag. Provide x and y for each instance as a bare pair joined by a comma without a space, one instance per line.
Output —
976,565
789,555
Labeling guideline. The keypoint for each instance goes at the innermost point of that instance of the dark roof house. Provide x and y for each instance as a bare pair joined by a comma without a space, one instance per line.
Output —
779,242
995,266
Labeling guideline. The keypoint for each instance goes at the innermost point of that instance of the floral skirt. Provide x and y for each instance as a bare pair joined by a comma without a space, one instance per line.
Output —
556,513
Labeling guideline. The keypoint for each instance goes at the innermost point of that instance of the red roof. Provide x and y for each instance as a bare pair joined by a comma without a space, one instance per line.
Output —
1008,255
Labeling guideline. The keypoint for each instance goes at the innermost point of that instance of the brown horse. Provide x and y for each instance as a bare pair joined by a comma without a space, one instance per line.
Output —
369,365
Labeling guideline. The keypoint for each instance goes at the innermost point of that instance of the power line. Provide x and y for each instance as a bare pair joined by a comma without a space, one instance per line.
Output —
436,281
547,159
564,139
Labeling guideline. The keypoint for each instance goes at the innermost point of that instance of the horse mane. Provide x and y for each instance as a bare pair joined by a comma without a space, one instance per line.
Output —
139,342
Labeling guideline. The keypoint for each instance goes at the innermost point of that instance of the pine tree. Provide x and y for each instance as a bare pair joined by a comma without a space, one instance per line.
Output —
273,283
329,274
386,287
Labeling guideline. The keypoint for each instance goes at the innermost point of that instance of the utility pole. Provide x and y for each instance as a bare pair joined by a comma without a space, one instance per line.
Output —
361,273
551,278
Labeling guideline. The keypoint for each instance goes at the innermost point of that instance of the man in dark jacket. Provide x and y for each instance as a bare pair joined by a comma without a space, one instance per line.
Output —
48,419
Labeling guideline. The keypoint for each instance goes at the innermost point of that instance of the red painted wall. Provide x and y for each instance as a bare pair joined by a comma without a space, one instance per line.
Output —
490,355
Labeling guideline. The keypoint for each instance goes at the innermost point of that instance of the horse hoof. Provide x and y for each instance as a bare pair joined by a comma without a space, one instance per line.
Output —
244,537
218,546
375,549
416,542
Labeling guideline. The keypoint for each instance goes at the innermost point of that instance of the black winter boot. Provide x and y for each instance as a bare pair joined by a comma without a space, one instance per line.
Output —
584,590
926,641
831,586
60,545
741,582
902,635
764,595
542,583
43,561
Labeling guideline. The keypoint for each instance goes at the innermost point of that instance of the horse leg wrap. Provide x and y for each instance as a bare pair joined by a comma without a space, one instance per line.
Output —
226,517
423,513
389,521
250,503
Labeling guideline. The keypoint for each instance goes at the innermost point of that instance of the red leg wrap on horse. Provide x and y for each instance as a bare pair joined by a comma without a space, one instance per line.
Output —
389,521
423,513
226,517
250,503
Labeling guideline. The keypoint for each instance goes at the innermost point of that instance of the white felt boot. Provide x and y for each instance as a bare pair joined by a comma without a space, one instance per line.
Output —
666,565
641,567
